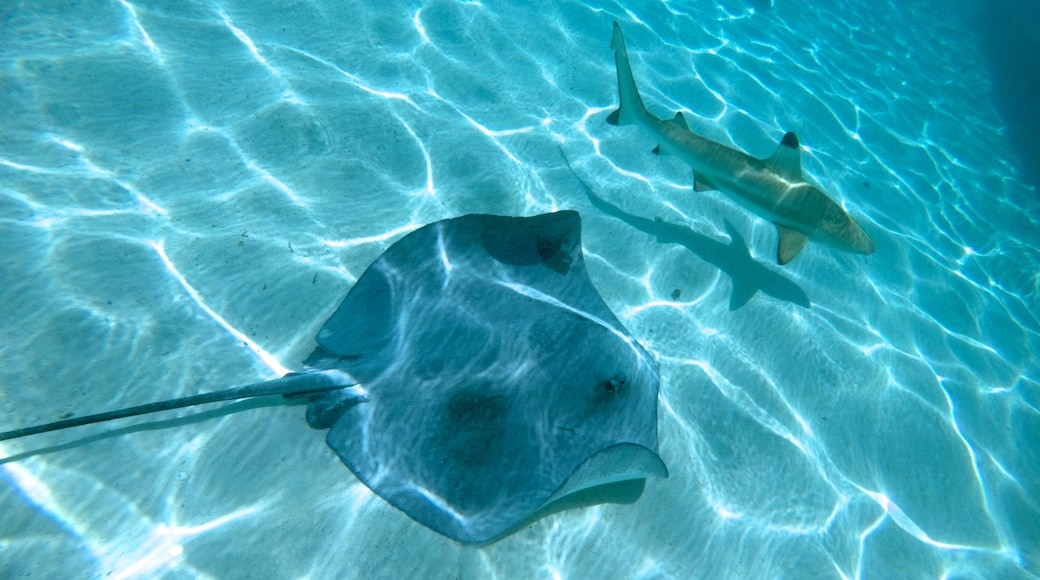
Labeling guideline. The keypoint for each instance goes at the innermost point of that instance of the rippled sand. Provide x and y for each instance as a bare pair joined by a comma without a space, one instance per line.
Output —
187,192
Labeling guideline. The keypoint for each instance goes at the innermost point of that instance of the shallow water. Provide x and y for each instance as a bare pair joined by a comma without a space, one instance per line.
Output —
187,191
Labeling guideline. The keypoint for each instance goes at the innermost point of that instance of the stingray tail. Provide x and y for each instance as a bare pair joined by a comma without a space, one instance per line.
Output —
632,109
291,385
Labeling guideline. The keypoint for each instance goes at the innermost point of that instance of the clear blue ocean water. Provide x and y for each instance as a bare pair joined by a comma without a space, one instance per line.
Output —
188,189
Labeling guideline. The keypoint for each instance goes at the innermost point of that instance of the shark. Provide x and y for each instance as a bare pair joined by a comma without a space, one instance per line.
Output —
772,187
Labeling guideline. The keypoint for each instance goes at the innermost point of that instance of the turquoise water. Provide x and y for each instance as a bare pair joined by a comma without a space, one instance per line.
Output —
187,191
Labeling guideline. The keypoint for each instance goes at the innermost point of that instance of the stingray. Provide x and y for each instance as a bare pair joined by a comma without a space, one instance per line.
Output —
473,377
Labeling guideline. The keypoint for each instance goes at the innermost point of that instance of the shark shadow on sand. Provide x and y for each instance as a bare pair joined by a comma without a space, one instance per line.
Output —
747,275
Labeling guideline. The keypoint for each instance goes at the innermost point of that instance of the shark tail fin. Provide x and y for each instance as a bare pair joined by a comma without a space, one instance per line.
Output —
632,109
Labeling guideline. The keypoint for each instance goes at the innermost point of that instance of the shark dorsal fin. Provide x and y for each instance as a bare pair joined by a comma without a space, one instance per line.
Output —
787,160
791,242
680,121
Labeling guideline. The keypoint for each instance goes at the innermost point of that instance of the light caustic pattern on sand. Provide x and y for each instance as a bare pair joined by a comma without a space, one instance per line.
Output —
188,191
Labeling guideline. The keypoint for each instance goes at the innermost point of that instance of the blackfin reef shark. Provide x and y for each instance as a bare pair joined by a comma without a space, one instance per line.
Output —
772,188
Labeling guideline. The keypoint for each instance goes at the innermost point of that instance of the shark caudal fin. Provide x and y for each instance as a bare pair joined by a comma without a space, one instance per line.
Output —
632,109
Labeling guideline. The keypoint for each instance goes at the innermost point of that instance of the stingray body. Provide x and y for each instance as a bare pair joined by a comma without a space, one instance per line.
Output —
493,378
493,369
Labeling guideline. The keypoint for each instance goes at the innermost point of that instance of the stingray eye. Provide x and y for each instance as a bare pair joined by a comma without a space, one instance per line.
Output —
554,255
614,385
547,247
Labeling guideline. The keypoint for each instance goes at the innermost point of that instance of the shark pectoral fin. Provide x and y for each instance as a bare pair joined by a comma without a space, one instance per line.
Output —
701,184
657,150
791,242
615,117
787,160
